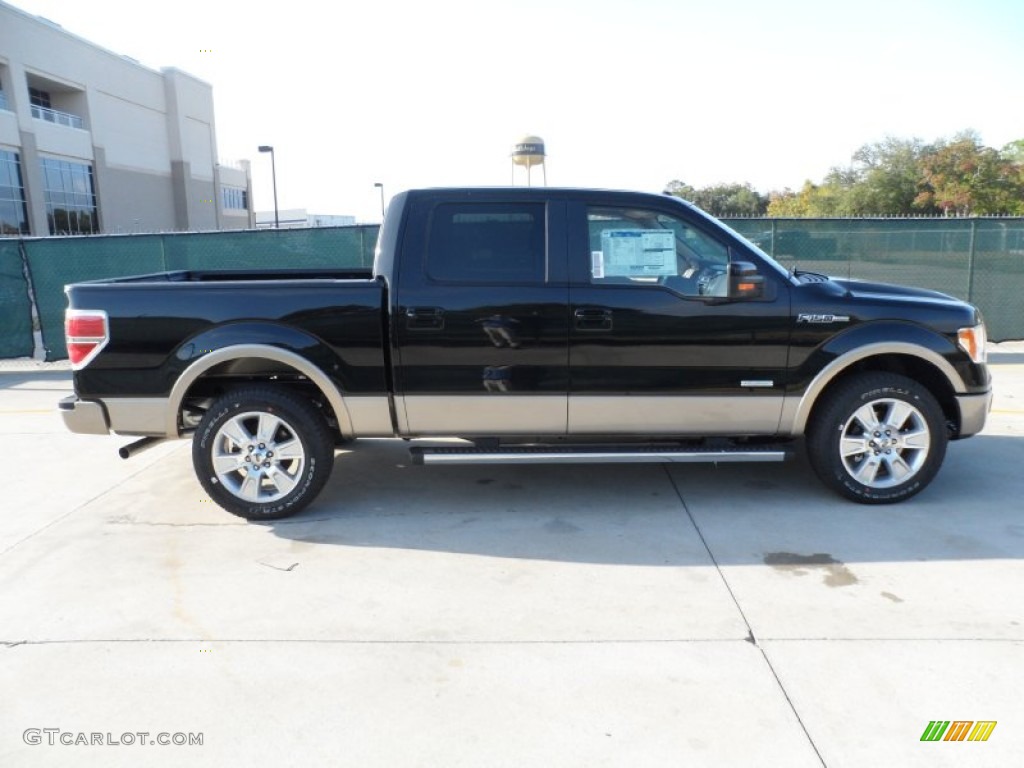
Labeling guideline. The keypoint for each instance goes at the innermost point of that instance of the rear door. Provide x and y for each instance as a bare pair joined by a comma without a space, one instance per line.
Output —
657,347
480,317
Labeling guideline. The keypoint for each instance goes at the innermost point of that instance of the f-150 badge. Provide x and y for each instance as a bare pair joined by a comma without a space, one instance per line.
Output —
803,318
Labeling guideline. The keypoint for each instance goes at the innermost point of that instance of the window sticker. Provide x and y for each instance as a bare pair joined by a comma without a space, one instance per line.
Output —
597,264
638,253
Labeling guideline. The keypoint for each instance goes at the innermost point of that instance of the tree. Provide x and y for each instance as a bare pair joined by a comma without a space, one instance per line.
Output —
1013,155
884,178
1014,152
786,204
958,177
723,199
813,200
963,177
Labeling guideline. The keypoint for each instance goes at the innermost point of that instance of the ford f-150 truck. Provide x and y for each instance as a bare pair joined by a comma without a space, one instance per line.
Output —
537,325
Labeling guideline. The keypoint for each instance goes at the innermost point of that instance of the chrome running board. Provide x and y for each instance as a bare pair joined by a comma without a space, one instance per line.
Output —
595,455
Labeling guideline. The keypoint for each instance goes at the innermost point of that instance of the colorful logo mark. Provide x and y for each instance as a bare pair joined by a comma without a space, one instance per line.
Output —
958,730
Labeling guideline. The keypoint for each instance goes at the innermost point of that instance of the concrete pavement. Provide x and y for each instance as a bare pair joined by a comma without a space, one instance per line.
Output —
506,616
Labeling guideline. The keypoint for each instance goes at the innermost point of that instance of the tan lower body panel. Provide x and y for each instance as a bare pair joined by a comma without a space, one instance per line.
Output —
498,415
138,415
673,415
973,412
370,416
483,415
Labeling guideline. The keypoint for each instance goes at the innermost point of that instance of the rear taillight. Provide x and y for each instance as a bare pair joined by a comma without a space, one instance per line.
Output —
86,332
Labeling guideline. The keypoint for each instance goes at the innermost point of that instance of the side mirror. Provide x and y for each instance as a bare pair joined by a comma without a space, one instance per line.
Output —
744,281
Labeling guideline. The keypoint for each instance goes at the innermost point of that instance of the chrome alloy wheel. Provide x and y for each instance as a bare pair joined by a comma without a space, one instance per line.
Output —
258,456
885,443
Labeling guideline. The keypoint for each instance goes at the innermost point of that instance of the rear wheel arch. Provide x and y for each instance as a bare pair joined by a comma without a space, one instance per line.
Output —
270,361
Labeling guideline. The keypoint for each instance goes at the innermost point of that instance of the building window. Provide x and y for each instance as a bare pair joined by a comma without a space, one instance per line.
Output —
38,98
70,197
13,212
234,199
3,100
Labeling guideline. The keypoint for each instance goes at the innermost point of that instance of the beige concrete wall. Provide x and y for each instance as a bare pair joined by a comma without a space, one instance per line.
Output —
59,140
204,215
133,201
32,174
191,113
134,136
9,136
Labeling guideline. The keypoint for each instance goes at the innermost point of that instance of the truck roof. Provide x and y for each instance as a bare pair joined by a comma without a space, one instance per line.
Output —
537,193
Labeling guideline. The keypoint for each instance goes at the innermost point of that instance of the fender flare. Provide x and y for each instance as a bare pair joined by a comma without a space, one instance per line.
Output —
265,351
796,411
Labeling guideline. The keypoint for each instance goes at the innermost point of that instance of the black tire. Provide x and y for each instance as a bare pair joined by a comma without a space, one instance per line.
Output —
272,486
902,451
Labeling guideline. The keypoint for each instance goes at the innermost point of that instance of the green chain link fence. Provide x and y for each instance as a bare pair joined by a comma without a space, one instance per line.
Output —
980,260
54,262
15,308
57,261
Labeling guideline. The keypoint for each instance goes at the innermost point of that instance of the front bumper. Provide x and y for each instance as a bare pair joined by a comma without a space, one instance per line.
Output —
85,417
973,412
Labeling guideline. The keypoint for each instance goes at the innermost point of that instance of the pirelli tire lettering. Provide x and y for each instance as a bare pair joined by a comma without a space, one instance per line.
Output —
877,438
262,453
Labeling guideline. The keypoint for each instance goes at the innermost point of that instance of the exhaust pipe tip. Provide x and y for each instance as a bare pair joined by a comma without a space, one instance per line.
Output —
132,449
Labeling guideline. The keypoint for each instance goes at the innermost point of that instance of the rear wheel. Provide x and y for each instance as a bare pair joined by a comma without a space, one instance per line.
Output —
877,438
262,453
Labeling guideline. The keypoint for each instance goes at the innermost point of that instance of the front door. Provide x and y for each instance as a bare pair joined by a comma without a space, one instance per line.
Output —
656,345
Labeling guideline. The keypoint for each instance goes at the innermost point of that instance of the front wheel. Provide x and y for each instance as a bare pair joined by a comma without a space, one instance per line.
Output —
878,438
262,453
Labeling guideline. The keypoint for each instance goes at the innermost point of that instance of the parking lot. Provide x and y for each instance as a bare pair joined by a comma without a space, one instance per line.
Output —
633,615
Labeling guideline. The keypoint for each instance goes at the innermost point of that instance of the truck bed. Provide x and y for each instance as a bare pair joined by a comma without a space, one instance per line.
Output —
232,275
163,322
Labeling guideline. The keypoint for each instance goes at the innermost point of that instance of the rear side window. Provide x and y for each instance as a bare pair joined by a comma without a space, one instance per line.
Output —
486,243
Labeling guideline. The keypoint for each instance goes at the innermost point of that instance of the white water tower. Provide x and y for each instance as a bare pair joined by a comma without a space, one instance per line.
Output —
526,153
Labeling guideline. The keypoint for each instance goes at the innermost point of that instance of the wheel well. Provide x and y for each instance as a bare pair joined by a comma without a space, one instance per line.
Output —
233,374
912,367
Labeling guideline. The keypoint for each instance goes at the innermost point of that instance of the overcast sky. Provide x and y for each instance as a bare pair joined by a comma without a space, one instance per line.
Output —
629,94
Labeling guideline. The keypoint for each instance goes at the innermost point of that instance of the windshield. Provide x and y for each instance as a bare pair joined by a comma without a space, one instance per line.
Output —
753,246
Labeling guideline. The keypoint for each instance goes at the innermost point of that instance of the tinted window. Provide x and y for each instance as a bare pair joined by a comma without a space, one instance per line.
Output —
233,198
486,243
70,197
13,213
39,98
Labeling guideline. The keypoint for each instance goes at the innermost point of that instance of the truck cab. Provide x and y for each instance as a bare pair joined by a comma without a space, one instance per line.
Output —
518,312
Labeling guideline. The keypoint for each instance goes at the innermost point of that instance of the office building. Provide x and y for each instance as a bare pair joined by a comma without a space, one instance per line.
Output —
94,142
298,218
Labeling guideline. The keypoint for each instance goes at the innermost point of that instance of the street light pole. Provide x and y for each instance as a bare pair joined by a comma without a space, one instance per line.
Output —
273,172
380,186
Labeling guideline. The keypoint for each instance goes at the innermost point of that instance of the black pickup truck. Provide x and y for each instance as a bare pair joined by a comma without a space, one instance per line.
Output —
538,326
